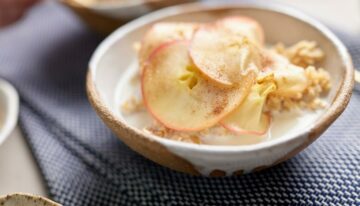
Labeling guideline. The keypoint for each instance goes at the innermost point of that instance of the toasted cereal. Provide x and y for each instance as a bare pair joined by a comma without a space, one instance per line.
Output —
318,84
303,53
162,131
132,105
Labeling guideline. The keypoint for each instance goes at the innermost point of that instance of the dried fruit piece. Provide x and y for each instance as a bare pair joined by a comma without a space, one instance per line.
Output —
222,56
179,97
249,117
290,79
244,26
160,33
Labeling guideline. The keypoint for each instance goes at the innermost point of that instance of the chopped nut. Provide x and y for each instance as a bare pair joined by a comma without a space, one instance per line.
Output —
132,105
303,53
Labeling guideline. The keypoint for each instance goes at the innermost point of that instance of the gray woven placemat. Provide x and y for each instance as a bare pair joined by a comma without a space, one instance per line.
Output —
46,56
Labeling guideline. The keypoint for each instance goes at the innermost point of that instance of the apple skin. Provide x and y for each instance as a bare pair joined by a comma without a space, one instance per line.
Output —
172,102
245,26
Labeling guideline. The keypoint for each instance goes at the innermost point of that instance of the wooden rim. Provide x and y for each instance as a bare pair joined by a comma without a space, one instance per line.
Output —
139,143
27,197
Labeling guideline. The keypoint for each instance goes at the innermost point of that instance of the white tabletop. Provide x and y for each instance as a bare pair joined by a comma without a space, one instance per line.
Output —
18,169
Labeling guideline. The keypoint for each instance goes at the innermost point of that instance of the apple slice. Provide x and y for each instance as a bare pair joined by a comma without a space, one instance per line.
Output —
244,26
160,33
249,117
290,79
176,94
222,56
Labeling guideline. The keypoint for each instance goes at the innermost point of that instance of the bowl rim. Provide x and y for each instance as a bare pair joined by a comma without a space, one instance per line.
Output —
102,6
337,106
12,111
18,196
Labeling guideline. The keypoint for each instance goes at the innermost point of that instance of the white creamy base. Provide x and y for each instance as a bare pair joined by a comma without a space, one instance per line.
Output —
284,123
285,126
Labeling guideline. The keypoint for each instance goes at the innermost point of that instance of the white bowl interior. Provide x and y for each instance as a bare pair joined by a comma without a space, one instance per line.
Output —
116,54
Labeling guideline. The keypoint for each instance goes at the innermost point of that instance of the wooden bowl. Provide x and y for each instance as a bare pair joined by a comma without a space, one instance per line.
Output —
106,17
115,55
20,199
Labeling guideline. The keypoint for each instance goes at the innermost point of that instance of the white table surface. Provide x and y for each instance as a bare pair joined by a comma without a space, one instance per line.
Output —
18,169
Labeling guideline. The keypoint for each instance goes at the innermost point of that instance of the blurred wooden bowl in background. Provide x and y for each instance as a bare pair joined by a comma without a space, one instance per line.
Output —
105,16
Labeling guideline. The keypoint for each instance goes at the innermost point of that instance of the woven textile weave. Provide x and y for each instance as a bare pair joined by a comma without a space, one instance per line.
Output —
45,56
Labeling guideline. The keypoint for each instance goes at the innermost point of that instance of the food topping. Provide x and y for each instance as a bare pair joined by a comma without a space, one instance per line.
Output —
197,78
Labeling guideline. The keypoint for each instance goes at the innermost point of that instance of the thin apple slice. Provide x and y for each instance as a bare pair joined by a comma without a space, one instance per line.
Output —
160,33
249,117
290,79
222,56
260,129
176,94
246,26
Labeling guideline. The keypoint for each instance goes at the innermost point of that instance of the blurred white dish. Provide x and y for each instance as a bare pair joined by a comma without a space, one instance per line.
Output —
9,109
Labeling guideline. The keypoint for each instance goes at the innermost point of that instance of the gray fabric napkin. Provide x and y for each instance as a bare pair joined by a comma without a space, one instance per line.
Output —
83,163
